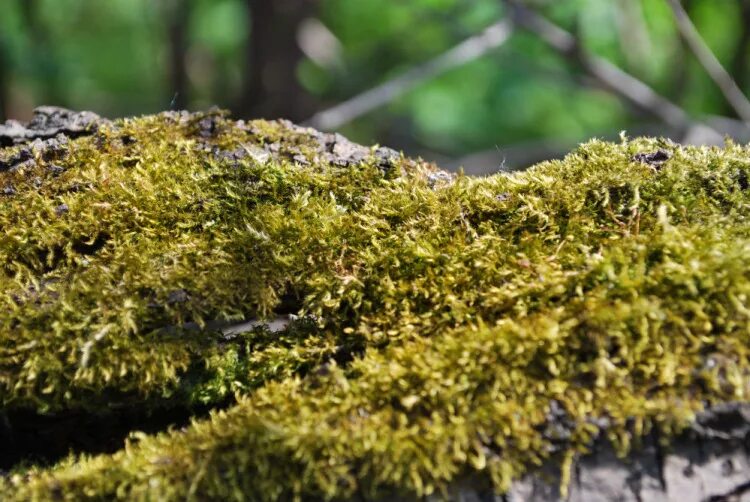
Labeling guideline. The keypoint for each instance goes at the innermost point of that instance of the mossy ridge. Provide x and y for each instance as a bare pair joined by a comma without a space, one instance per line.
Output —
101,248
622,287
417,415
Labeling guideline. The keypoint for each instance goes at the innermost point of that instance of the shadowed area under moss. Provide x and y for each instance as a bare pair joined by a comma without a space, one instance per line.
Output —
449,327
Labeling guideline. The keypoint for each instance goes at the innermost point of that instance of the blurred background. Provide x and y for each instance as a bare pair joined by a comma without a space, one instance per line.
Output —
484,84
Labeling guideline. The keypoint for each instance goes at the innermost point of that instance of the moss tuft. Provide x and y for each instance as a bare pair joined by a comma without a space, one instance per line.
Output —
448,326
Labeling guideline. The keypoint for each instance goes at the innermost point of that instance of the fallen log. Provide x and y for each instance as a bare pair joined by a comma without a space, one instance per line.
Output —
197,307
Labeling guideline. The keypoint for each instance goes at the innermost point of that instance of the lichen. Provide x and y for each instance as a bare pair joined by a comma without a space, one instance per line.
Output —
448,326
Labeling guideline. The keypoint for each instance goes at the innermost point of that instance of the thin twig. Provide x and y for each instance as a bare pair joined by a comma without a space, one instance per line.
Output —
635,91
470,49
710,63
231,329
632,32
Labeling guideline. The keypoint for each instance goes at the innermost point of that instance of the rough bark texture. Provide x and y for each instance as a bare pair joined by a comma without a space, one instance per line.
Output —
710,463
48,122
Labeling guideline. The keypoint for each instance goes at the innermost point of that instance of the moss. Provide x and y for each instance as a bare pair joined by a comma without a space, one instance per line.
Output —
450,326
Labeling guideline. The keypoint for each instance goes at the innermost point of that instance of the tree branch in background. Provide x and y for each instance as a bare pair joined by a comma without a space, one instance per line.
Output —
707,59
625,85
633,35
470,49
679,75
4,71
740,70
178,17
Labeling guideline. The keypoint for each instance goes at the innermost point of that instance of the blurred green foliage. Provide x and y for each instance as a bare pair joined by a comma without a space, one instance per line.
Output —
113,57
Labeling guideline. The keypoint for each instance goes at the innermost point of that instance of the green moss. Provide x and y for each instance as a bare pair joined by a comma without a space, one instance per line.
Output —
493,322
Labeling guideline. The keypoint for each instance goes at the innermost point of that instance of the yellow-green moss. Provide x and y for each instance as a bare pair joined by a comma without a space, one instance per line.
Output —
494,322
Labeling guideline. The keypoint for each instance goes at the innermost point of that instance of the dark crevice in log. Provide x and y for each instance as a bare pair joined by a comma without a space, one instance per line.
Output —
28,437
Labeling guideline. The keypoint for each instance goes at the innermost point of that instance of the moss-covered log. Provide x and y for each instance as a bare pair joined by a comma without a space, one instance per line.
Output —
405,329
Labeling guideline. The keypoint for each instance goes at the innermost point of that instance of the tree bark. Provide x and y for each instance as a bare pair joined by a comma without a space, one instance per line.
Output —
708,462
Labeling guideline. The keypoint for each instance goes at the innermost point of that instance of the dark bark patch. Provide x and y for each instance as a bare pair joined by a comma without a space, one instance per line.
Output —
654,159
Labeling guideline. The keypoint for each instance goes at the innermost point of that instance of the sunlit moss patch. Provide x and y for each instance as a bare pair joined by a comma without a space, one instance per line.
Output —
447,326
